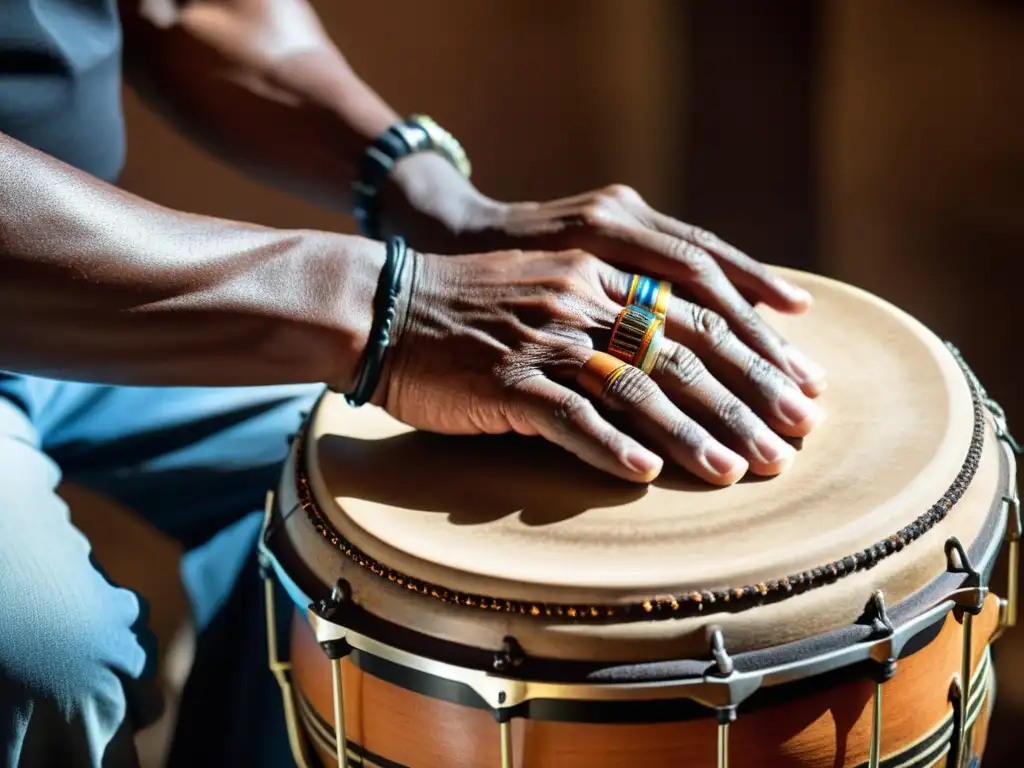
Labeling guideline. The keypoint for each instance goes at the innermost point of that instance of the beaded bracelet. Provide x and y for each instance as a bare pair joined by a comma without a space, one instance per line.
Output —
384,305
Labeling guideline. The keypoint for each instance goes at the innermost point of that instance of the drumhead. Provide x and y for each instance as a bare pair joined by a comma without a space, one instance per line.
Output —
470,539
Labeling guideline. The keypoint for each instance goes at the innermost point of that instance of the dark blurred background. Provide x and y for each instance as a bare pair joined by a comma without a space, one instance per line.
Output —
875,141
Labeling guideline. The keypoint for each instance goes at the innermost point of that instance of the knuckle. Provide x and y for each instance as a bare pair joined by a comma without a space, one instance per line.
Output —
759,330
684,365
560,285
711,325
598,213
731,411
622,193
634,386
573,410
611,442
686,432
703,236
532,338
763,373
579,261
550,306
696,259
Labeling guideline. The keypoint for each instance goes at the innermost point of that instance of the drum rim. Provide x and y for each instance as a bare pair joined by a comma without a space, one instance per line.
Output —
657,607
910,618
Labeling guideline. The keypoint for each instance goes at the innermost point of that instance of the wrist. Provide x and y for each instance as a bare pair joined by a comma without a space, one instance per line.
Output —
437,209
336,278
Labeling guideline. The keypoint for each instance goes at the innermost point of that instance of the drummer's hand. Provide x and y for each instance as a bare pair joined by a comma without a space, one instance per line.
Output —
617,225
495,342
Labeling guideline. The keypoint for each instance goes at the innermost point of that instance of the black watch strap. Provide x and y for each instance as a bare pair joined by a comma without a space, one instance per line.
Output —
418,133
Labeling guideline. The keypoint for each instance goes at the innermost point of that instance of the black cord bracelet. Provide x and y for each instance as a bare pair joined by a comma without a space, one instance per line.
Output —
385,303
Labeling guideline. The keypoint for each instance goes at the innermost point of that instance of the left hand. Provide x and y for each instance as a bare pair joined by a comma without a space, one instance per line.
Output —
616,225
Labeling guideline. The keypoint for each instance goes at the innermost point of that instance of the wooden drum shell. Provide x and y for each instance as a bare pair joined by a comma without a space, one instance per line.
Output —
828,729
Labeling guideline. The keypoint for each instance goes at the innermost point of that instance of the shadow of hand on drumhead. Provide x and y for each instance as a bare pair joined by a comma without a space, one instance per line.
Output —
479,479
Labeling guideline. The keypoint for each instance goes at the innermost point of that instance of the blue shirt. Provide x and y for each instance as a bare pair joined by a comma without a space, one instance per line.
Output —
60,81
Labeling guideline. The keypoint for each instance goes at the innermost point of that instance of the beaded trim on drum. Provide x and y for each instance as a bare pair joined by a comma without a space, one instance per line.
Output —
667,606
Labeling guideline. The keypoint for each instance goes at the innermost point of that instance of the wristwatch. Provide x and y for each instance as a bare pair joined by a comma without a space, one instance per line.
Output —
417,133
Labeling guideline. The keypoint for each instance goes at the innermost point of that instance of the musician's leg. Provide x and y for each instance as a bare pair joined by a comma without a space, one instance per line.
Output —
72,656
192,461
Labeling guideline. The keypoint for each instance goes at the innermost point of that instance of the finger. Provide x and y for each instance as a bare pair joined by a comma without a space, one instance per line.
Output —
749,275
735,315
688,383
756,381
635,395
571,421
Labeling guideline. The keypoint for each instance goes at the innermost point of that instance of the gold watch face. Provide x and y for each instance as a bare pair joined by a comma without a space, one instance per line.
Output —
445,142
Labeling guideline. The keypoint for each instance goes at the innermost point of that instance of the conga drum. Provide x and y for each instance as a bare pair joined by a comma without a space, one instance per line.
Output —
492,602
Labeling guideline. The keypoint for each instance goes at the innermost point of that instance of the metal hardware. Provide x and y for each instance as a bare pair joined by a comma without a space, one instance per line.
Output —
721,656
970,596
509,657
723,745
725,669
713,691
969,604
1008,607
999,417
875,753
883,630
336,648
340,734
960,704
281,670
505,730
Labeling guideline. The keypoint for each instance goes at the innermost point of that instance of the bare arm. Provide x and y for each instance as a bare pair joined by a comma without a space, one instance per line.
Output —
96,284
262,86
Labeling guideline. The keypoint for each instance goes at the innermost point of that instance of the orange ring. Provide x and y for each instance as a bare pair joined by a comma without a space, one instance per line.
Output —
599,373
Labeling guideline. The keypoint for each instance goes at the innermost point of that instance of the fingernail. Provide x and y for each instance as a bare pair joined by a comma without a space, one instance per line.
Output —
805,369
643,462
772,448
797,409
792,292
722,461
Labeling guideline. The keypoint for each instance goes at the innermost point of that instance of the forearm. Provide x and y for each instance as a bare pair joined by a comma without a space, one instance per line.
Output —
96,284
260,85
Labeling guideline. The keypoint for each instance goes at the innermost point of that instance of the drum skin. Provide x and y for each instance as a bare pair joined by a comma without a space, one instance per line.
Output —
828,729
478,516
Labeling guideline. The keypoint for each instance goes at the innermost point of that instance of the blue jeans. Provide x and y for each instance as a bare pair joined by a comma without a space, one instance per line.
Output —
75,658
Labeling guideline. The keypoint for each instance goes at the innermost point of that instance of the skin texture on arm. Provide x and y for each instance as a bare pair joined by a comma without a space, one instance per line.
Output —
260,85
96,284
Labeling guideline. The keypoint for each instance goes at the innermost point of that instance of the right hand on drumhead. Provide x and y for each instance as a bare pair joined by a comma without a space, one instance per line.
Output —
496,342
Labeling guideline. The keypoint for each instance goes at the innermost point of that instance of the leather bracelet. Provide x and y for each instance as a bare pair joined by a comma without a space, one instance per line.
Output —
384,305
418,133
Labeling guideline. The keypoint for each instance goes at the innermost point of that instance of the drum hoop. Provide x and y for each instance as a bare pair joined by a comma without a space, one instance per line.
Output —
709,687
664,606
